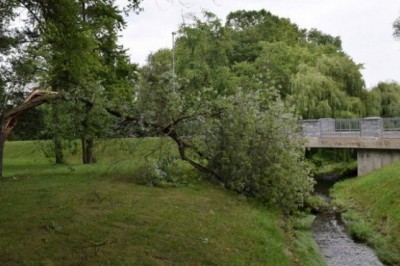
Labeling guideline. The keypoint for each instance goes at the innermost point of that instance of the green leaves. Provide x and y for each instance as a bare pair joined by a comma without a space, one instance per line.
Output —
257,153
332,87
227,105
72,47
384,100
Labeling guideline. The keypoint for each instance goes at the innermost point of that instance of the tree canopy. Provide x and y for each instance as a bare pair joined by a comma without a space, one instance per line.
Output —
223,117
384,100
73,48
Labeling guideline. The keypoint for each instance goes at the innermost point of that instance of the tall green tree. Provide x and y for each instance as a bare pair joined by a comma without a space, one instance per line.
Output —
116,76
75,45
317,37
384,100
328,89
249,28
308,67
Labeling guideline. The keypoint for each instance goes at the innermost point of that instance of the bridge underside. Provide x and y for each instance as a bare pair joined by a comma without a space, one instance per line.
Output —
372,153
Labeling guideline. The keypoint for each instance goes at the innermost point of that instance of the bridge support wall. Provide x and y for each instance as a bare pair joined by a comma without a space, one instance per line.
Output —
369,160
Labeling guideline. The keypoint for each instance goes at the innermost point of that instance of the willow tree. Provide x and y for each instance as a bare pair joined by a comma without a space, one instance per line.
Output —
242,138
328,89
249,28
384,100
308,67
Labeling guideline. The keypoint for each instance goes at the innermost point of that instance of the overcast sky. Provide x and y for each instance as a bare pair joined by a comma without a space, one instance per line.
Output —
365,27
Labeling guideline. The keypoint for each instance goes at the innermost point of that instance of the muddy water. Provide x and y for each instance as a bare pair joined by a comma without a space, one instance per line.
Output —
330,234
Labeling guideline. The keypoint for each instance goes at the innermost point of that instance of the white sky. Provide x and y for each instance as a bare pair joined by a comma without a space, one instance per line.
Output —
365,27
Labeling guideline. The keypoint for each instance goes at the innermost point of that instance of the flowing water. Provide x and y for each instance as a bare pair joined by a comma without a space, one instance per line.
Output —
330,234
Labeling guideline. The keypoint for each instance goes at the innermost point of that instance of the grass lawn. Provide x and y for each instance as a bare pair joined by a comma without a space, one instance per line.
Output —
373,210
77,214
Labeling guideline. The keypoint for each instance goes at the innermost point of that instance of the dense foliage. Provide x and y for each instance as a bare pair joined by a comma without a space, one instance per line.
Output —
384,100
72,48
226,121
308,68
250,149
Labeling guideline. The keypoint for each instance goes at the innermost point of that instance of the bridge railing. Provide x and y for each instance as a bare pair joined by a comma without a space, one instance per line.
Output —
391,127
364,127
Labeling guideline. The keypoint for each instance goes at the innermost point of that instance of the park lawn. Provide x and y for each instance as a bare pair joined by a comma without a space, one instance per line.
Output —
372,204
96,215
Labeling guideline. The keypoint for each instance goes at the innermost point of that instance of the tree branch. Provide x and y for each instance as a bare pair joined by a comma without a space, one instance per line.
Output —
182,146
10,118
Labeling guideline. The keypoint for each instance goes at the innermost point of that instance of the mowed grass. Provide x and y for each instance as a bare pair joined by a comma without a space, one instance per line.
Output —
77,214
373,210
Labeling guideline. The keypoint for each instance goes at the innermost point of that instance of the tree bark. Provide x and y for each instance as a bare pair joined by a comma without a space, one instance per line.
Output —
2,141
87,150
182,146
87,138
58,151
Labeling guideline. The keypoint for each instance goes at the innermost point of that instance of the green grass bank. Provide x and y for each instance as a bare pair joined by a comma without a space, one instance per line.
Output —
372,210
333,161
76,214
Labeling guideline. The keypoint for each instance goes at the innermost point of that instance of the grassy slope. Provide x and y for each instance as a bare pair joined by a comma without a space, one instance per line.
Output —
373,203
95,214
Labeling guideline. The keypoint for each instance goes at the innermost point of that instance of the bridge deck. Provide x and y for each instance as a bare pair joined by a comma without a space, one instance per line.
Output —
353,142
365,133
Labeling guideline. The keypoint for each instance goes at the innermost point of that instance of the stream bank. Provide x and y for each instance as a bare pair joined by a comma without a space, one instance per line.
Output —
329,232
372,214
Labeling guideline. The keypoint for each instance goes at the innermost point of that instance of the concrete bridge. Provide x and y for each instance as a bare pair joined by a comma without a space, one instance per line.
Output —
376,139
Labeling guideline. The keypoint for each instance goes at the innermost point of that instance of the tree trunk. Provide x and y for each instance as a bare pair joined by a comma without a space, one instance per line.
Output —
2,140
182,146
87,151
9,119
58,151
87,138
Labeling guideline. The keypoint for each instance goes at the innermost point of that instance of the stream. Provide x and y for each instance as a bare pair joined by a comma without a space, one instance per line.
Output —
330,234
